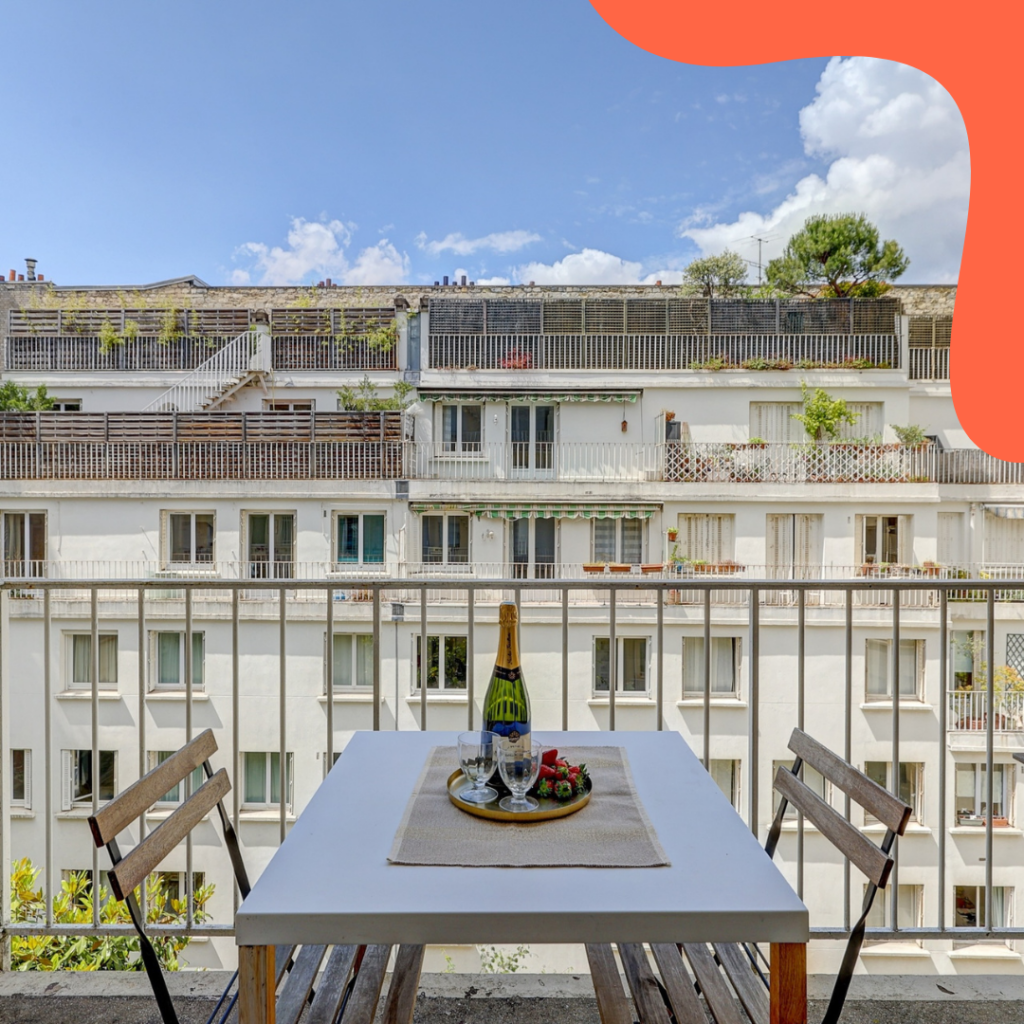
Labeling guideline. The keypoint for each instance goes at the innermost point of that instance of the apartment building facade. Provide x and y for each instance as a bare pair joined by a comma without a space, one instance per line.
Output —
201,534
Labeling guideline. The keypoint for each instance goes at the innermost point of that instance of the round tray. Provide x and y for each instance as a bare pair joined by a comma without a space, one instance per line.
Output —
548,810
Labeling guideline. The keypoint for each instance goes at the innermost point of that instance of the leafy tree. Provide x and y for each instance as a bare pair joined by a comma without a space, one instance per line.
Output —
15,398
837,256
823,414
363,397
718,276
73,905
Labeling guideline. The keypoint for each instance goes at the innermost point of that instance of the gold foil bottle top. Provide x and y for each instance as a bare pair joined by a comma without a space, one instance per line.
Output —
508,613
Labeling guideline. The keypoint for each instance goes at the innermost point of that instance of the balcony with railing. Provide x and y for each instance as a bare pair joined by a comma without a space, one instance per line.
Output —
930,340
662,334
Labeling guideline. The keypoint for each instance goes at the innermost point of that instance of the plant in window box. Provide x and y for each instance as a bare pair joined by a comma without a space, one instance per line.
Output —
517,360
594,566
933,569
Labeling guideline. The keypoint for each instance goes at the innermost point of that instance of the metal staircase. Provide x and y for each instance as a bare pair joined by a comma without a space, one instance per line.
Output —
241,362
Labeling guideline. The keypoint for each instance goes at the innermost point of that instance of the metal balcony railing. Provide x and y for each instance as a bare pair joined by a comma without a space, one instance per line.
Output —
801,694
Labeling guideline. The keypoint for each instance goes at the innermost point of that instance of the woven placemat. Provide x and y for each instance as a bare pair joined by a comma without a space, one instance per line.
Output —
612,831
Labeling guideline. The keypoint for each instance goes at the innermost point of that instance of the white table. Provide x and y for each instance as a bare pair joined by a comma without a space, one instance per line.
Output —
331,882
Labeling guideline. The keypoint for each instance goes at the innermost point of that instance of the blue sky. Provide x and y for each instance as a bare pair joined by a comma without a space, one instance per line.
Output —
400,141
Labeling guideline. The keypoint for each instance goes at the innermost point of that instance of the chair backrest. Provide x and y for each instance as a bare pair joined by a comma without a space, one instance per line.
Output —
875,862
131,870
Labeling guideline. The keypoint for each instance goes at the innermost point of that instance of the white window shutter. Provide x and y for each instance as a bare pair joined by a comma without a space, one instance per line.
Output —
858,540
66,779
808,539
905,551
28,778
950,538
738,658
780,545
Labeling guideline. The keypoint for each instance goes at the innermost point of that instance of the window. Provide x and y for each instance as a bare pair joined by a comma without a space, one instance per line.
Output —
774,421
189,537
794,546
261,778
67,405
909,912
174,889
967,655
972,794
631,674
361,538
301,405
462,428
24,543
271,545
727,777
950,540
533,548
353,660
323,759
911,782
21,778
812,778
176,794
168,660
882,539
532,431
619,540
78,777
446,539
80,661
446,663
878,657
969,904
705,538
725,665
1003,541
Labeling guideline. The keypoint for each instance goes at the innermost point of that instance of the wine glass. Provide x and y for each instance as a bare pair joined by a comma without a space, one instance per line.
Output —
478,752
519,770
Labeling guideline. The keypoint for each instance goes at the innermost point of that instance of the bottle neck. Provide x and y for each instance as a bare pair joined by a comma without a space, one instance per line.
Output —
508,647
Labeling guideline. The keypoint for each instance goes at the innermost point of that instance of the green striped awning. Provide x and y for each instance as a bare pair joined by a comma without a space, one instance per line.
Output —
427,395
538,510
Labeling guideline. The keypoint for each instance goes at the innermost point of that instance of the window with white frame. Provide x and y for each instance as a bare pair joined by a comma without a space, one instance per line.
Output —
66,405
360,538
79,661
532,433
167,660
446,663
353,661
533,543
445,538
631,664
79,776
705,537
188,537
972,794
813,780
462,428
1003,542
324,759
883,540
726,774
725,666
909,912
270,544
967,656
21,779
177,793
911,784
297,405
794,543
175,888
24,543
619,540
261,779
878,669
969,907
775,421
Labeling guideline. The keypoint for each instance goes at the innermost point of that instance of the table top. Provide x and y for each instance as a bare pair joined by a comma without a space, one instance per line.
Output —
331,882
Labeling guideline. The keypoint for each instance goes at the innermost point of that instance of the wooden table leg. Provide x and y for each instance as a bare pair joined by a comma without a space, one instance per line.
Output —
789,983
256,996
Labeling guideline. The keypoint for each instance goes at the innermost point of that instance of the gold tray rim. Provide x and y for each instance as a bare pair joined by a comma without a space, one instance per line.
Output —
559,810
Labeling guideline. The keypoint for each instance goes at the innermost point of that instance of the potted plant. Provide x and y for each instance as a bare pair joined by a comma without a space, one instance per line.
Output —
932,569
673,534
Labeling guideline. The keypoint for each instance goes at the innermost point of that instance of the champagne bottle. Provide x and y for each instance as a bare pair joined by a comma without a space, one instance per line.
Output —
506,703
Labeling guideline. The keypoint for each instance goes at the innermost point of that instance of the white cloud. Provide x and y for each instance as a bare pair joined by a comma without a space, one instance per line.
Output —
318,249
899,155
592,266
497,241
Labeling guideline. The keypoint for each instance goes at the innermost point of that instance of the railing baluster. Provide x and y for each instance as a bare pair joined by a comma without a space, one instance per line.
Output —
990,691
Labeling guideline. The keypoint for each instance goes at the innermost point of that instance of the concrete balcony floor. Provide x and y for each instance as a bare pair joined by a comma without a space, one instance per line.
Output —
48,998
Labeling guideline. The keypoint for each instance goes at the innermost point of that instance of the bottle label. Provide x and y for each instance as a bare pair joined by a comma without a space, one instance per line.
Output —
508,674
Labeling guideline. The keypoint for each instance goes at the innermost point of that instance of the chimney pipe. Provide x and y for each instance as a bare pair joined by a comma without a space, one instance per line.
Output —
21,277
463,280
12,276
30,267
329,283
41,278
445,279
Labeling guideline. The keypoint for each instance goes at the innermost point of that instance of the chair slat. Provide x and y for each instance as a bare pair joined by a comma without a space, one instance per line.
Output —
282,961
612,1004
717,993
362,1003
330,990
405,984
293,997
749,987
647,997
888,809
139,797
678,984
133,869
835,828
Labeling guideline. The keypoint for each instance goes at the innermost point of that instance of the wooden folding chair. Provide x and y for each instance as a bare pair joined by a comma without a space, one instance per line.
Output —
729,975
317,984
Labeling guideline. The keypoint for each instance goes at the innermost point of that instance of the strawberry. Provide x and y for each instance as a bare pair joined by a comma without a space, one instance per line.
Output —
546,789
563,790
561,763
548,757
562,772
546,772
